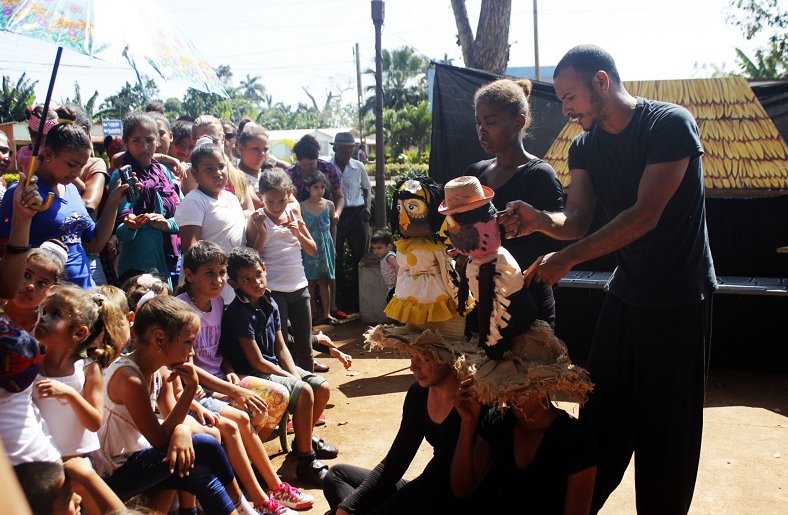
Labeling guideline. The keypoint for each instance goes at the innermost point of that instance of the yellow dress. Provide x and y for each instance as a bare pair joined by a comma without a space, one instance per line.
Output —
424,292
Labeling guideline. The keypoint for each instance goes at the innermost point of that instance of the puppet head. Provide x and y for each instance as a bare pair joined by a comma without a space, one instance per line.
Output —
471,222
415,207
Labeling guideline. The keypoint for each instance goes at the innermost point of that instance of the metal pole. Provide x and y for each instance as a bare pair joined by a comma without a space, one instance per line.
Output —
537,74
359,97
378,14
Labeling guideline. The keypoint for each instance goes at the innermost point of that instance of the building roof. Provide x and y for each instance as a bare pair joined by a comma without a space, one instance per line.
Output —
744,152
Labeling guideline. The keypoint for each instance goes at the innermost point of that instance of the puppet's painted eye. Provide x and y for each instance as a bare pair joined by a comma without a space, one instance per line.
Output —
416,208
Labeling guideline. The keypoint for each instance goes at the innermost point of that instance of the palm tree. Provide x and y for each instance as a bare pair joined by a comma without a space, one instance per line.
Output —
770,64
252,89
15,98
88,106
404,79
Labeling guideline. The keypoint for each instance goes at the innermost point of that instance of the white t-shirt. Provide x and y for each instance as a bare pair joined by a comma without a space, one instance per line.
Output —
282,257
222,221
23,430
206,345
71,437
354,179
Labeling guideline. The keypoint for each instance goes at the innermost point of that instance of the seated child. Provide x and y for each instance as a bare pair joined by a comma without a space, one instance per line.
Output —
205,266
252,341
45,268
47,487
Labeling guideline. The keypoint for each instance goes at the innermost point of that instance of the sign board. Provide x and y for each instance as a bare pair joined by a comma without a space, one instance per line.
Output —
112,127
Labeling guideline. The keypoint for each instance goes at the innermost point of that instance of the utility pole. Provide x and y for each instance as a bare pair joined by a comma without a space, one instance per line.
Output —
537,74
359,97
378,14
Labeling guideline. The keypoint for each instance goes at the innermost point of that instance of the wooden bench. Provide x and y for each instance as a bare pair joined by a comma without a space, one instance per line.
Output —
767,286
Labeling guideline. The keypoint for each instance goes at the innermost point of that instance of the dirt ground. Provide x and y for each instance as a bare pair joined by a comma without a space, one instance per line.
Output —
743,465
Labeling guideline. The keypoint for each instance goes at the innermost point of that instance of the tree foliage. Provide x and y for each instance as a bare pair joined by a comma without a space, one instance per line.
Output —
128,99
404,80
762,17
489,49
15,97
89,106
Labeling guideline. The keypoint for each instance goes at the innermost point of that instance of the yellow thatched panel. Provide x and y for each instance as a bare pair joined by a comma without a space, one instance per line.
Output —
744,151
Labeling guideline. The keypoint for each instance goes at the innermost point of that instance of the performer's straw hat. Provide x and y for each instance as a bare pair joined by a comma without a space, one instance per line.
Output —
537,365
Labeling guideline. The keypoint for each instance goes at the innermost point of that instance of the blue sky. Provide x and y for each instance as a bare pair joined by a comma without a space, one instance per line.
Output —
295,44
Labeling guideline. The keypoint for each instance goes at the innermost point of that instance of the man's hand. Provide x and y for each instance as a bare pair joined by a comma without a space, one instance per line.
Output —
552,268
519,219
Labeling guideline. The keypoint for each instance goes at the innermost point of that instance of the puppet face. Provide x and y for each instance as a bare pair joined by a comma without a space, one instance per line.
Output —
476,239
414,211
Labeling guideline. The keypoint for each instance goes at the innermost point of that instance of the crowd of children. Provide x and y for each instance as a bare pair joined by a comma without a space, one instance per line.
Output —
140,392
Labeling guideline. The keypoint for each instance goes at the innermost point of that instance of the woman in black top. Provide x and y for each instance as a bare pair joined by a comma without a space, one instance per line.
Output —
502,117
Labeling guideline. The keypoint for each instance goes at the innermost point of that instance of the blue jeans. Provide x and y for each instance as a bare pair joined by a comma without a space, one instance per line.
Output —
145,470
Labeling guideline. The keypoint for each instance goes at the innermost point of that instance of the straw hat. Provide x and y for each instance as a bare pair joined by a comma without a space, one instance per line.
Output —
464,194
457,353
537,365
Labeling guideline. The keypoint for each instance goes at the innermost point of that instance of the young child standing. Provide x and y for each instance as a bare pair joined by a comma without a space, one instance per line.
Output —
253,342
253,154
383,248
210,212
45,268
279,235
319,269
147,228
205,267
140,452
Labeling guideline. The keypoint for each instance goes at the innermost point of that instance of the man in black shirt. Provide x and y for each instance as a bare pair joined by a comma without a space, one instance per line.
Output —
640,161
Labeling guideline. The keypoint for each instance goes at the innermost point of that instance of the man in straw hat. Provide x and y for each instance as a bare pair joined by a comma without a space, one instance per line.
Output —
428,413
528,455
504,307
640,162
353,226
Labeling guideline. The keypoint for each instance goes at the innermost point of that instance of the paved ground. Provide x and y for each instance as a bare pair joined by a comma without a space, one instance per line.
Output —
744,461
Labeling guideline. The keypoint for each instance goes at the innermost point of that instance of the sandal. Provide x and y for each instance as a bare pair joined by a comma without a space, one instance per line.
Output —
339,314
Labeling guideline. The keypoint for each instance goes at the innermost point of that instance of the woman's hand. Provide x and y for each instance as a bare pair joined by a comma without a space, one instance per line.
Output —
26,197
468,408
134,222
181,450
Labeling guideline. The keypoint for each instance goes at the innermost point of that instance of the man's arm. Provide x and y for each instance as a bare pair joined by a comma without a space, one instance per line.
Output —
657,186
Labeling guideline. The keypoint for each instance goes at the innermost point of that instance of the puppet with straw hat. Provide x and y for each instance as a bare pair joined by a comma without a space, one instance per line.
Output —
488,274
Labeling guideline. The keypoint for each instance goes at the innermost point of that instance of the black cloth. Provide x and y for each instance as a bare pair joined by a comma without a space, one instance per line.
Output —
535,183
671,264
381,490
353,228
567,448
649,367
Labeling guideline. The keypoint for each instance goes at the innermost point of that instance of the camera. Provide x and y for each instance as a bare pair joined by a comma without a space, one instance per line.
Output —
126,177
